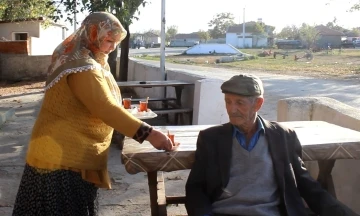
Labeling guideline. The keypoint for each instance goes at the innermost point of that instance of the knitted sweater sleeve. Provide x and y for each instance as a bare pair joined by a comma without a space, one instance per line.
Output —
92,89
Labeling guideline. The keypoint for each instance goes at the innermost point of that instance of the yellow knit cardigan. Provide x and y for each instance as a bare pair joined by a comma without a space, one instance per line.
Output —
75,125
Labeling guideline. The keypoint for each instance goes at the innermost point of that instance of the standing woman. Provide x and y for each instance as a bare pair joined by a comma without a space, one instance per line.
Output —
67,156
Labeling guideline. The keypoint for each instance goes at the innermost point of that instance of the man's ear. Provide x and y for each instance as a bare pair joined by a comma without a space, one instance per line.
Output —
258,103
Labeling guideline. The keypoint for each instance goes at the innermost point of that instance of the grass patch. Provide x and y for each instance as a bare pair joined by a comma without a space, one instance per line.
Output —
327,64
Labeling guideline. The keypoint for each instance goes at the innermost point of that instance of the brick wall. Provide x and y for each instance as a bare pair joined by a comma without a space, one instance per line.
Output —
14,47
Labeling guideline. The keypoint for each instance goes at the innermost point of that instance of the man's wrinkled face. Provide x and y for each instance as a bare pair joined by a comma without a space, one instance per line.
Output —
241,109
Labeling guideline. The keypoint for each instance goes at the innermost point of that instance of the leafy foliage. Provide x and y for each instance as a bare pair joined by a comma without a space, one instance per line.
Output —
355,7
308,34
220,23
259,29
125,10
355,32
204,35
56,10
289,32
171,31
333,25
14,10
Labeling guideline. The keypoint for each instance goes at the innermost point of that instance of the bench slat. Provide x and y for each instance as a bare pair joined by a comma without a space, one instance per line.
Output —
170,111
153,99
175,200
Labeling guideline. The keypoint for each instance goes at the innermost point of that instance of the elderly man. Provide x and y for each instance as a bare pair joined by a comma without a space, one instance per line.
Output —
251,166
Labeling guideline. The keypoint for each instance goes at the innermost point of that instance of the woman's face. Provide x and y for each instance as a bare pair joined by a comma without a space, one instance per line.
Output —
109,43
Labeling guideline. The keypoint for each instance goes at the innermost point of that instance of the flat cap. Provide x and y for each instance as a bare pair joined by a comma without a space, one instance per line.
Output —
244,85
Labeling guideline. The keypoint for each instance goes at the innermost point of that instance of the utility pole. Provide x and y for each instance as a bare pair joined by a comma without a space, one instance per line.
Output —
162,45
244,29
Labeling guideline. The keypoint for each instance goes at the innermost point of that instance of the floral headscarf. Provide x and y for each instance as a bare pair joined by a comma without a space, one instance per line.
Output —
77,52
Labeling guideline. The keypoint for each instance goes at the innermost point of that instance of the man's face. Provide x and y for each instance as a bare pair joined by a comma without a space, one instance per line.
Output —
241,109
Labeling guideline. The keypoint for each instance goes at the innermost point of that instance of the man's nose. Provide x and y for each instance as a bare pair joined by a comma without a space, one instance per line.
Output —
232,108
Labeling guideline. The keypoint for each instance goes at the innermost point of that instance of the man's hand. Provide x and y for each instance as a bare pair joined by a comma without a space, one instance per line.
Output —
161,141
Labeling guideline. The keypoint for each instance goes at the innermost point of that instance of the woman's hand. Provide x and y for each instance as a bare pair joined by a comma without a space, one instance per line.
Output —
161,141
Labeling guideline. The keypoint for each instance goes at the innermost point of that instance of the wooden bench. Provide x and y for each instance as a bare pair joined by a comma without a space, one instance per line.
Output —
170,105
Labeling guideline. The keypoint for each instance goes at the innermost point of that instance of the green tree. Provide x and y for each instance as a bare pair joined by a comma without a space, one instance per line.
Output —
258,32
333,25
308,34
289,32
356,32
204,35
12,10
126,15
259,29
355,7
220,23
171,31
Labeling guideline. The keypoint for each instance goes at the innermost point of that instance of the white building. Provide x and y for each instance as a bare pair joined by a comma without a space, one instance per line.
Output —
234,36
42,41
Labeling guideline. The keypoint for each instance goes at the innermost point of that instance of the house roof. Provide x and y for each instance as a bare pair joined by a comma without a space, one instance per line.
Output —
238,28
32,19
22,20
193,35
323,30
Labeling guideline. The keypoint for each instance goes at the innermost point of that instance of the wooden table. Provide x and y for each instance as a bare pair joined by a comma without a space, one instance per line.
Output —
321,141
177,107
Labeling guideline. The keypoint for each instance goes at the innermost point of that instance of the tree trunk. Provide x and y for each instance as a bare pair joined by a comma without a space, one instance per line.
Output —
124,56
112,62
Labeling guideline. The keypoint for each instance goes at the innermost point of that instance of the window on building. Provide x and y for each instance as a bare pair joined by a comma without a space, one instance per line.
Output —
20,36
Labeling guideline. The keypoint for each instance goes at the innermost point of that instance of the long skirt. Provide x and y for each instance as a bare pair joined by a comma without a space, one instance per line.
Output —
55,193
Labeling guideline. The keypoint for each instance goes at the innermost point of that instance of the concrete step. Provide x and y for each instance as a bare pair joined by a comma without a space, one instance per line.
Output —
6,114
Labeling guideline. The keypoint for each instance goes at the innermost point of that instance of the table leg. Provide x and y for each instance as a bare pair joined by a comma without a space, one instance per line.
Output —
161,195
178,92
324,177
152,181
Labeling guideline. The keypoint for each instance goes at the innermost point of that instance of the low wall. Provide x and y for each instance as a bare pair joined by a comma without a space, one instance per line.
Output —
346,173
23,67
14,47
208,110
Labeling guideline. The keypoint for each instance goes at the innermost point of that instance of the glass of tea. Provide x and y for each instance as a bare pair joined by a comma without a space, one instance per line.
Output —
171,137
127,103
143,106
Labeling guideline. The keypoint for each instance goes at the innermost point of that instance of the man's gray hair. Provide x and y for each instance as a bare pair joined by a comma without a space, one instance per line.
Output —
252,99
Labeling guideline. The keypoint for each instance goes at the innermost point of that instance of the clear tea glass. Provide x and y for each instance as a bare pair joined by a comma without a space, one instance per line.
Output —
143,106
171,137
127,103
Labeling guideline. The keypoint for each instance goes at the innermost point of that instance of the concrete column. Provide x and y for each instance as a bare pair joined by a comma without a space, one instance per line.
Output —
209,105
